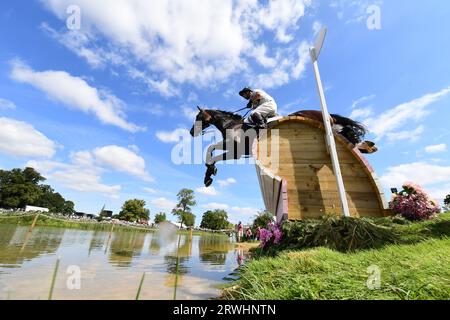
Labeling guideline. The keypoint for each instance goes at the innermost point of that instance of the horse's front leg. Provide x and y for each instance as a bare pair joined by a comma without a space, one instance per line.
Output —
211,161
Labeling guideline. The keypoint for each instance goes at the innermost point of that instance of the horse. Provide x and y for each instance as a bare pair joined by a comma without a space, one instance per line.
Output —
237,134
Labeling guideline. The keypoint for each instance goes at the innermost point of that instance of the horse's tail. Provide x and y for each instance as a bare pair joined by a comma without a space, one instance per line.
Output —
354,131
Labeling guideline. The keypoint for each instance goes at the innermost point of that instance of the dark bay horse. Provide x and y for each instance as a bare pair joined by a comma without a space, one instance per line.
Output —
238,137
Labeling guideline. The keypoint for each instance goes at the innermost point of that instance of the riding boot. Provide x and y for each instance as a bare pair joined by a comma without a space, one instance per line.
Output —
259,121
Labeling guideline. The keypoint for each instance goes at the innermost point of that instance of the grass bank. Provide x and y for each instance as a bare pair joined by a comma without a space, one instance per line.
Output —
415,268
48,221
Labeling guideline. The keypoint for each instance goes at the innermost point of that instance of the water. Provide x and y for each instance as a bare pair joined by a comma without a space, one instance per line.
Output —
112,269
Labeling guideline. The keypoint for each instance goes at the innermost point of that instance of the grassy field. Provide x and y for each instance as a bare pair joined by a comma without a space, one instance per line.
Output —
418,268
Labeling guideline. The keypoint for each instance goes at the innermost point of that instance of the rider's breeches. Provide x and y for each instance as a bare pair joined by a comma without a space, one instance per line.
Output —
266,110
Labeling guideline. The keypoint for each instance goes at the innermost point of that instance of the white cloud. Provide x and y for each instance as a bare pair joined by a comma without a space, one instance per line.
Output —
435,178
411,135
84,181
80,174
76,93
189,113
361,100
302,60
436,148
405,113
353,11
7,105
172,137
164,204
23,140
317,26
134,147
227,182
260,54
123,160
216,206
173,42
246,211
362,113
77,43
281,15
150,190
211,191
289,65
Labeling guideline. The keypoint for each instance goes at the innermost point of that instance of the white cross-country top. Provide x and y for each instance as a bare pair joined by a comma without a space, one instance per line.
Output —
260,97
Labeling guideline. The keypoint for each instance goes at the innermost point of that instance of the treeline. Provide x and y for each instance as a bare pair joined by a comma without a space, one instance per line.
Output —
19,188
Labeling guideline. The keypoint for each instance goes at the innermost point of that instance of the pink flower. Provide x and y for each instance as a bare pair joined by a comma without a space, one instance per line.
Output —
414,203
272,234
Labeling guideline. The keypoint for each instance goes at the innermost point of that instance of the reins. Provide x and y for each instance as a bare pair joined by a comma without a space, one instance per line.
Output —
243,109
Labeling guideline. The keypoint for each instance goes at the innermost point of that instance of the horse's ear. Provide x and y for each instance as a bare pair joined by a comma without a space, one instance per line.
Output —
200,109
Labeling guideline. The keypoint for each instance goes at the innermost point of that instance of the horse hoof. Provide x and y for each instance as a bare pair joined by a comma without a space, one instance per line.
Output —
208,182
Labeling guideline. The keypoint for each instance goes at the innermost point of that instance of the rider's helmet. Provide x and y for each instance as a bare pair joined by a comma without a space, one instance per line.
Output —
244,91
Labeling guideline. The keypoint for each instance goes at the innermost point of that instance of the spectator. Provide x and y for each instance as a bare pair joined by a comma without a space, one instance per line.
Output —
240,231
249,234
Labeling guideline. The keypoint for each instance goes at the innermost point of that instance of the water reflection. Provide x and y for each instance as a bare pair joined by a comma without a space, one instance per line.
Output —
98,241
196,265
125,246
39,242
214,249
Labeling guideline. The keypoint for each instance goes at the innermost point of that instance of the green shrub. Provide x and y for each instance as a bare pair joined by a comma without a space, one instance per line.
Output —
338,233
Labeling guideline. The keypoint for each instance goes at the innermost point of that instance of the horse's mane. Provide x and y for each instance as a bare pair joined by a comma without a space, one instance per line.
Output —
228,114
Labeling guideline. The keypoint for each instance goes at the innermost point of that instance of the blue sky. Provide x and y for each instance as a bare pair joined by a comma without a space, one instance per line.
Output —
97,109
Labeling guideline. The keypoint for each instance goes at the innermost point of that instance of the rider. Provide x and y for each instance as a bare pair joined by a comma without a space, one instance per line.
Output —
263,106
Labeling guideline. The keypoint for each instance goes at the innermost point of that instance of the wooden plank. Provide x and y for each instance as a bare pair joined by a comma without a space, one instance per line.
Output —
277,187
311,184
320,170
330,199
261,184
268,186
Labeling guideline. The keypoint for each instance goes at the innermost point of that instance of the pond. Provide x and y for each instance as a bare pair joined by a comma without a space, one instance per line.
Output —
100,265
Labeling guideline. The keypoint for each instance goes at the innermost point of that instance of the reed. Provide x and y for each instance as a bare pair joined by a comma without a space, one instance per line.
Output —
140,287
55,273
30,231
177,269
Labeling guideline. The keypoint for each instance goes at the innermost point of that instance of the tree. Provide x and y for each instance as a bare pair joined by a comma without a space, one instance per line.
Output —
54,201
215,220
262,219
68,208
183,210
134,210
447,202
19,188
160,217
189,219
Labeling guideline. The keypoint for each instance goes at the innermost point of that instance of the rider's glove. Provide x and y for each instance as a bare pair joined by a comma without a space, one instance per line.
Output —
250,105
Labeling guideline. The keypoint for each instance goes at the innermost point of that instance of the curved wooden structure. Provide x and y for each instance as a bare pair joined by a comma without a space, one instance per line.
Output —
296,175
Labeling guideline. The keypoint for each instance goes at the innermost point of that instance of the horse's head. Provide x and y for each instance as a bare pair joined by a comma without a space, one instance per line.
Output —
203,121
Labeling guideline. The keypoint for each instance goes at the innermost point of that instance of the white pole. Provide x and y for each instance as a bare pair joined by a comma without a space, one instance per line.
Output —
330,136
